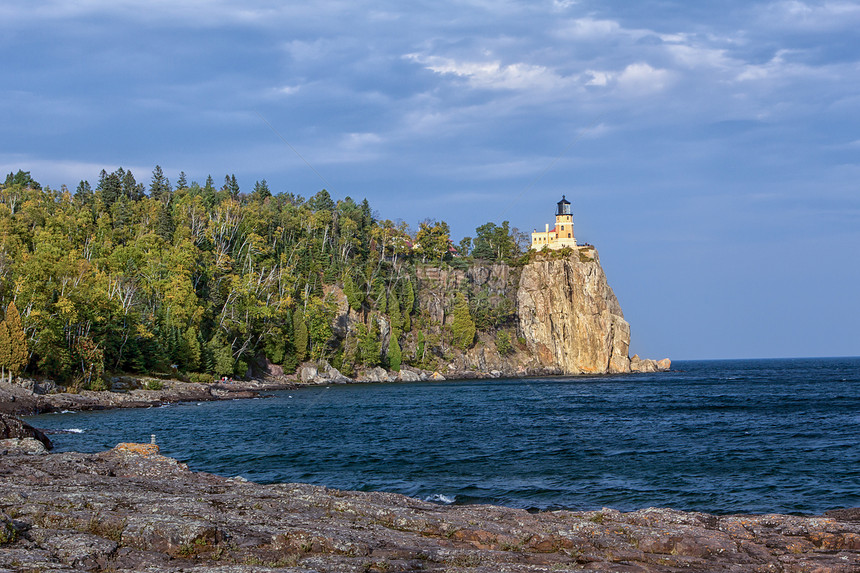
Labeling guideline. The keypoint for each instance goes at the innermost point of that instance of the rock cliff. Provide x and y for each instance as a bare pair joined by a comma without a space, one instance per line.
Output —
563,315
570,317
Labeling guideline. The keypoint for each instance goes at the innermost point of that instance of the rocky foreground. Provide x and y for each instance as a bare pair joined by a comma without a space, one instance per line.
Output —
130,509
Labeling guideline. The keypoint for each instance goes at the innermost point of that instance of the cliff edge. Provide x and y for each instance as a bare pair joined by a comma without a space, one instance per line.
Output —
570,318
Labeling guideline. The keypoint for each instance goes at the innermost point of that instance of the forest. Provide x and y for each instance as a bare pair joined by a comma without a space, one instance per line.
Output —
204,281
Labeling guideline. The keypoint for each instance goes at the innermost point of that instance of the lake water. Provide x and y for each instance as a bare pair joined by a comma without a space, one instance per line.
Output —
735,436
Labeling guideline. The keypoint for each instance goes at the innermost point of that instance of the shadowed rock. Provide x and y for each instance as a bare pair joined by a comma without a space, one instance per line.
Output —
13,428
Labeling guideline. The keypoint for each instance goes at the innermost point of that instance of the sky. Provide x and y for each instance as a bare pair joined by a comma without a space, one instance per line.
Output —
710,150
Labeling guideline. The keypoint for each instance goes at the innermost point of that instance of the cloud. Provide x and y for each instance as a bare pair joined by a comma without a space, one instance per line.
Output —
807,16
493,75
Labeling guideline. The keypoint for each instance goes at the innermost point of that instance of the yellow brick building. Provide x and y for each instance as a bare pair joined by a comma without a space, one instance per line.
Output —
562,235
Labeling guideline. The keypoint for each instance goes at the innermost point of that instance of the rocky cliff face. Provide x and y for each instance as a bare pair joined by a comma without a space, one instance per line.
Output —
570,317
554,315
564,315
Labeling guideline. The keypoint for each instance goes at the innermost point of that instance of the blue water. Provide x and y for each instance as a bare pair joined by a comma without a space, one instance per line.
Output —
734,436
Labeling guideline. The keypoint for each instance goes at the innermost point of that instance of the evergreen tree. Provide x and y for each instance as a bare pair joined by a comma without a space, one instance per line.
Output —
109,188
394,354
353,295
5,350
322,201
131,189
408,305
261,190
23,179
84,193
159,188
463,326
395,318
18,354
221,355
182,182
231,186
300,335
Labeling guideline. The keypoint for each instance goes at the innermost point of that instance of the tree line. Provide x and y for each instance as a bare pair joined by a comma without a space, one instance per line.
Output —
128,277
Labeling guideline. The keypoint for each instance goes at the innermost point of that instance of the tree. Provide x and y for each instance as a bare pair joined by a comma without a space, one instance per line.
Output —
394,354
495,243
321,202
432,241
300,334
182,182
261,190
5,351
109,188
84,193
320,314
463,326
159,189
23,179
18,354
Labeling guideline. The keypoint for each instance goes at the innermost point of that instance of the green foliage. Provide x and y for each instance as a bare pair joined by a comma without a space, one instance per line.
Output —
300,334
369,345
13,341
432,241
21,179
497,243
463,326
395,318
394,354
220,356
5,350
503,342
154,385
354,296
124,276
320,314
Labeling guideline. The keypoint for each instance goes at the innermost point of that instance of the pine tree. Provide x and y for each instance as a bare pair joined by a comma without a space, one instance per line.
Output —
182,182
18,354
394,354
5,350
394,315
300,334
463,326
159,189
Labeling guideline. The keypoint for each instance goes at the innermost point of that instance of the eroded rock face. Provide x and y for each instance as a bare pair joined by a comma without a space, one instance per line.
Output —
129,510
570,317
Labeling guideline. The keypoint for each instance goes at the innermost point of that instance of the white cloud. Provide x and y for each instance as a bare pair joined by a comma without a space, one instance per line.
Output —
819,16
642,78
493,75
589,29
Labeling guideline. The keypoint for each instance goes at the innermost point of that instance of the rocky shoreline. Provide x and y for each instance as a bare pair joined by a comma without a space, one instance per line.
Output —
28,397
131,509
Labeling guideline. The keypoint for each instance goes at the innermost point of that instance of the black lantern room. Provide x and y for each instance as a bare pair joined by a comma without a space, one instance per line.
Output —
563,207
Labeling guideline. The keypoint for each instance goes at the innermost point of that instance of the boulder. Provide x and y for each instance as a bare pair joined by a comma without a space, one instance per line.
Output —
437,377
19,446
407,375
334,376
13,428
308,373
642,364
377,374
664,365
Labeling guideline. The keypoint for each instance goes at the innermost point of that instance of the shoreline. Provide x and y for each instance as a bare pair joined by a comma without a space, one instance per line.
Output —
131,509
25,398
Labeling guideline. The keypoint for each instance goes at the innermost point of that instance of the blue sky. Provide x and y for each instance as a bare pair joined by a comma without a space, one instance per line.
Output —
711,150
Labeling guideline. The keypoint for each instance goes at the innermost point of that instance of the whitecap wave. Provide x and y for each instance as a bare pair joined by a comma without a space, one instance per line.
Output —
442,498
74,431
